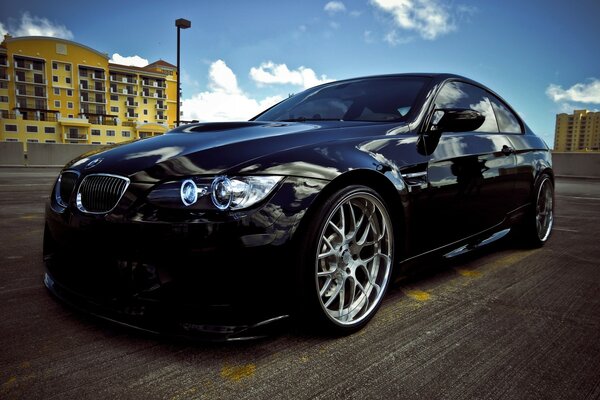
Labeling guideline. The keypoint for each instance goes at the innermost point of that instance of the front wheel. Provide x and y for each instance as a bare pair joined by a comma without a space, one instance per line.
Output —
347,259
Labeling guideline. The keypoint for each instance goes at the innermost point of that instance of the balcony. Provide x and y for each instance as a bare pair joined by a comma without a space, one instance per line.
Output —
161,106
30,93
130,92
4,77
35,81
98,76
4,62
76,136
129,80
159,117
96,100
129,115
132,103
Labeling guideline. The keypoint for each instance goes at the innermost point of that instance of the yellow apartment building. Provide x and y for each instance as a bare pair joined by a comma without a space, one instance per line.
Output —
579,131
58,91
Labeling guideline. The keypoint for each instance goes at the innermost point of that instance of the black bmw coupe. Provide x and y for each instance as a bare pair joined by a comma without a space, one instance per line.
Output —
310,209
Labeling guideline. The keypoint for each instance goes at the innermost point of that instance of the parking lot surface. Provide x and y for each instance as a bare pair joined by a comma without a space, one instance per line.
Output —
503,323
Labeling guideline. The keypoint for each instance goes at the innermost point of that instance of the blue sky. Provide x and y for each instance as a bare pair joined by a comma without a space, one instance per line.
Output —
238,57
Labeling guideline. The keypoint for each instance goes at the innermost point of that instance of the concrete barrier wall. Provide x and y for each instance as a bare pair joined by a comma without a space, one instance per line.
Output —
11,153
55,153
577,164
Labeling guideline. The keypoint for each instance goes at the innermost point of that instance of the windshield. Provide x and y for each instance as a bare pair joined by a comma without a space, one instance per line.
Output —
371,99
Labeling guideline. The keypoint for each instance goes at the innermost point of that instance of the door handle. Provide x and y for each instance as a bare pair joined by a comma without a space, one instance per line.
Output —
507,150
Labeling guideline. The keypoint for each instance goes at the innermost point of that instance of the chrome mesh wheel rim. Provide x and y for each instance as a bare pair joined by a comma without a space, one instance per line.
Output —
544,210
354,259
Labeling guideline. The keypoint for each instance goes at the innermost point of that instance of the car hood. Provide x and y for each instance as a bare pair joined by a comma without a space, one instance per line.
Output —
211,148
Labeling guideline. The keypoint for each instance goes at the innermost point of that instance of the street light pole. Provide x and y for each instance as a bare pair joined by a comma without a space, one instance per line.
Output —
180,24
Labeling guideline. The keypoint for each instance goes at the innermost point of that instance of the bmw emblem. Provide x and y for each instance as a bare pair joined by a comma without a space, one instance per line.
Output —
93,163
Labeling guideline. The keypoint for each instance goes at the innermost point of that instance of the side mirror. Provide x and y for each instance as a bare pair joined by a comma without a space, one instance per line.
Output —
455,120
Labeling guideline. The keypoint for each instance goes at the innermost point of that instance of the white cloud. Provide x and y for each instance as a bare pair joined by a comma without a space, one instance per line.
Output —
36,26
334,7
136,60
580,92
270,73
225,101
393,39
222,79
3,31
428,18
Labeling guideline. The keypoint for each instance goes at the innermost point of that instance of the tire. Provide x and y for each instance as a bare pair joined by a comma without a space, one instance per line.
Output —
347,255
539,220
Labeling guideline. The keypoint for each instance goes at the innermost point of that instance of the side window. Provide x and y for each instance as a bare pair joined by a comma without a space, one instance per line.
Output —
463,95
507,120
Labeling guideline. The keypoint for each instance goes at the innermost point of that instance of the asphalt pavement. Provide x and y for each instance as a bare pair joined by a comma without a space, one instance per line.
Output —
503,323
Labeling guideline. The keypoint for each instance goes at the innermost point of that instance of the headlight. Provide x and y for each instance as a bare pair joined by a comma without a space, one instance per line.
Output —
222,192
188,192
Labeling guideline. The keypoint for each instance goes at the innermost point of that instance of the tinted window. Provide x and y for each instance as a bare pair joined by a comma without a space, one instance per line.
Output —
463,95
507,121
375,99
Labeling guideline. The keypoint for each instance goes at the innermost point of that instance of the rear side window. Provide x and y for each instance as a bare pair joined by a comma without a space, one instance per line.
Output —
463,95
507,120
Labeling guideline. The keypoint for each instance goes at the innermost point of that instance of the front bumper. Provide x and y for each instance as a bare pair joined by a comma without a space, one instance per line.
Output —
168,273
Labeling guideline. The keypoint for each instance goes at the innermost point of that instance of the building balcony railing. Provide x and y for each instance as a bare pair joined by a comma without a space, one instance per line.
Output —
4,77
31,93
129,92
34,81
132,103
28,66
160,117
123,79
161,106
78,136
129,115
128,123
98,76
92,100
4,62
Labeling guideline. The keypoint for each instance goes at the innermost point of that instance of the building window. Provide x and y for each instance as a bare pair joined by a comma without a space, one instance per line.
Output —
32,141
10,128
114,109
57,91
32,129
68,80
145,112
49,129
67,67
69,104
54,65
70,116
114,97
145,101
57,103
50,141
69,92
96,142
3,99
125,133
54,78
110,133
11,140
95,132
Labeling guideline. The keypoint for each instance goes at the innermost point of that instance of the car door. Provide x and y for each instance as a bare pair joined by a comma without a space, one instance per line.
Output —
468,174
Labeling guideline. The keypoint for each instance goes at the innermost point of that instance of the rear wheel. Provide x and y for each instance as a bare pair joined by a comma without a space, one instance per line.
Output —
347,259
537,226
